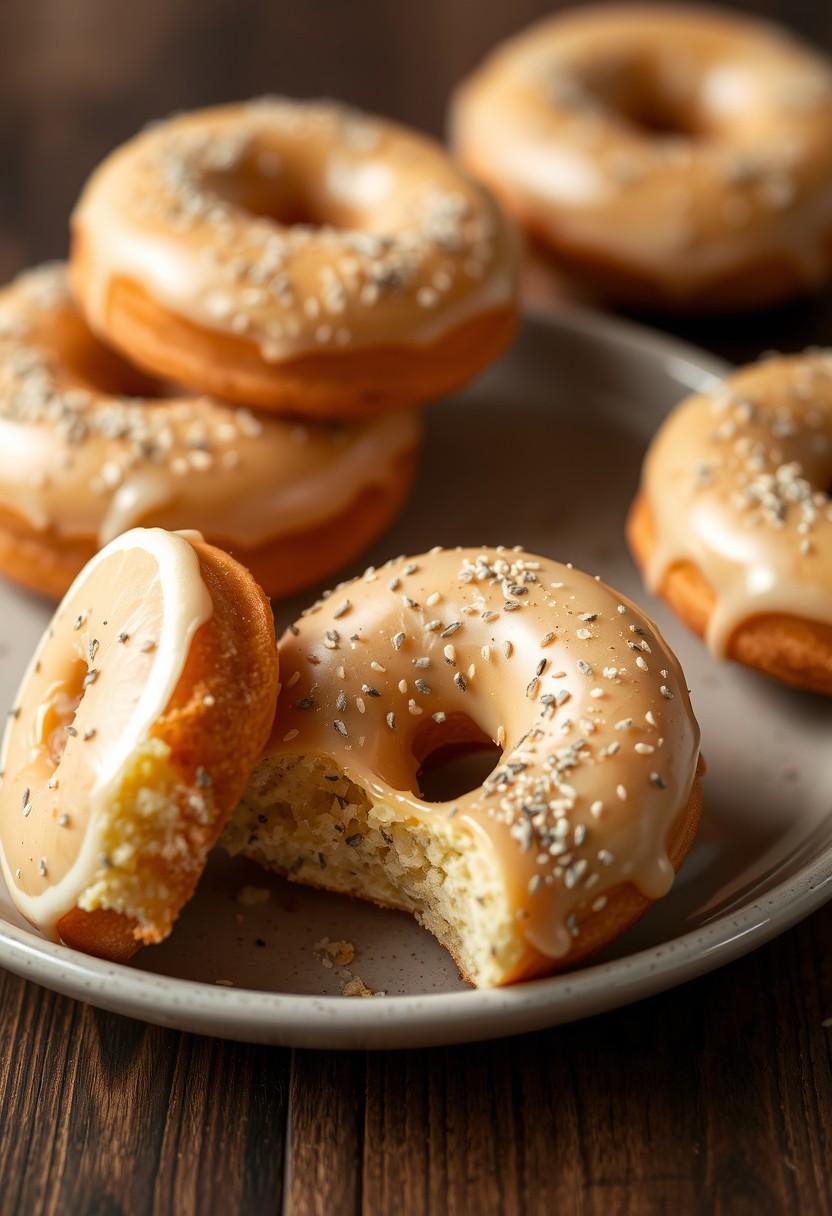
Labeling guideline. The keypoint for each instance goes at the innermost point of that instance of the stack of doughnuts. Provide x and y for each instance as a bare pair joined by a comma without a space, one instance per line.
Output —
257,297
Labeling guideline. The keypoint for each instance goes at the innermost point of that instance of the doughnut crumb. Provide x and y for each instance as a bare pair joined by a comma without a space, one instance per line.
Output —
301,816
152,839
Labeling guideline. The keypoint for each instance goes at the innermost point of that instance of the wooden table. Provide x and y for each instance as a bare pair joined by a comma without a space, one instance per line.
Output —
714,1098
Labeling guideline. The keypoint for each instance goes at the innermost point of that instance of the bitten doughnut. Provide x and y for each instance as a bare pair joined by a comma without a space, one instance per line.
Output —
131,738
669,156
89,448
295,256
594,802
733,521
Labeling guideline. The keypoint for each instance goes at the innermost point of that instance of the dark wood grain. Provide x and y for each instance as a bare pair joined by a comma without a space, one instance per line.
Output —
101,1114
716,1098
326,1133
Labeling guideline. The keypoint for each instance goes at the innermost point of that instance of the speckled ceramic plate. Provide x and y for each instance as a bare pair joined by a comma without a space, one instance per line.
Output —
543,451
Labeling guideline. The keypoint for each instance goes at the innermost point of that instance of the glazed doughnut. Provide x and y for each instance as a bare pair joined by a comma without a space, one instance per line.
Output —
595,800
733,522
89,448
131,738
295,256
669,156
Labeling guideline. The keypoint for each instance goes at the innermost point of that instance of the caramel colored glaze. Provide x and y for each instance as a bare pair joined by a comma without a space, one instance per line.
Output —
596,926
796,651
288,229
586,276
588,705
89,447
734,521
672,156
46,562
350,385
138,651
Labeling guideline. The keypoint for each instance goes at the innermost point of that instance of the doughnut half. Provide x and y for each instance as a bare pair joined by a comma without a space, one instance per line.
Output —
132,736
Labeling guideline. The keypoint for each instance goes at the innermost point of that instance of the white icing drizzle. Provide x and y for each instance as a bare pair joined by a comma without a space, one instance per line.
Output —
43,890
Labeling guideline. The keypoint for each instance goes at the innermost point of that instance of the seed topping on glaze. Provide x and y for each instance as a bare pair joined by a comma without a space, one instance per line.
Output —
748,467
590,745
745,181
89,459
186,440
71,718
307,285
751,444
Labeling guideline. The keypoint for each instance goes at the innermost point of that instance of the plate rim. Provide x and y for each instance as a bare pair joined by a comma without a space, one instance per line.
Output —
442,1018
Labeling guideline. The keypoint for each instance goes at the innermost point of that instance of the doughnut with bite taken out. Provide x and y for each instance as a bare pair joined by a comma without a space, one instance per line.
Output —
595,798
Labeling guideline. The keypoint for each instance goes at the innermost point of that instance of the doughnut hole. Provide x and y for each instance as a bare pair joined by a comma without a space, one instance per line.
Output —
633,89
303,817
285,188
454,757
282,197
59,710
